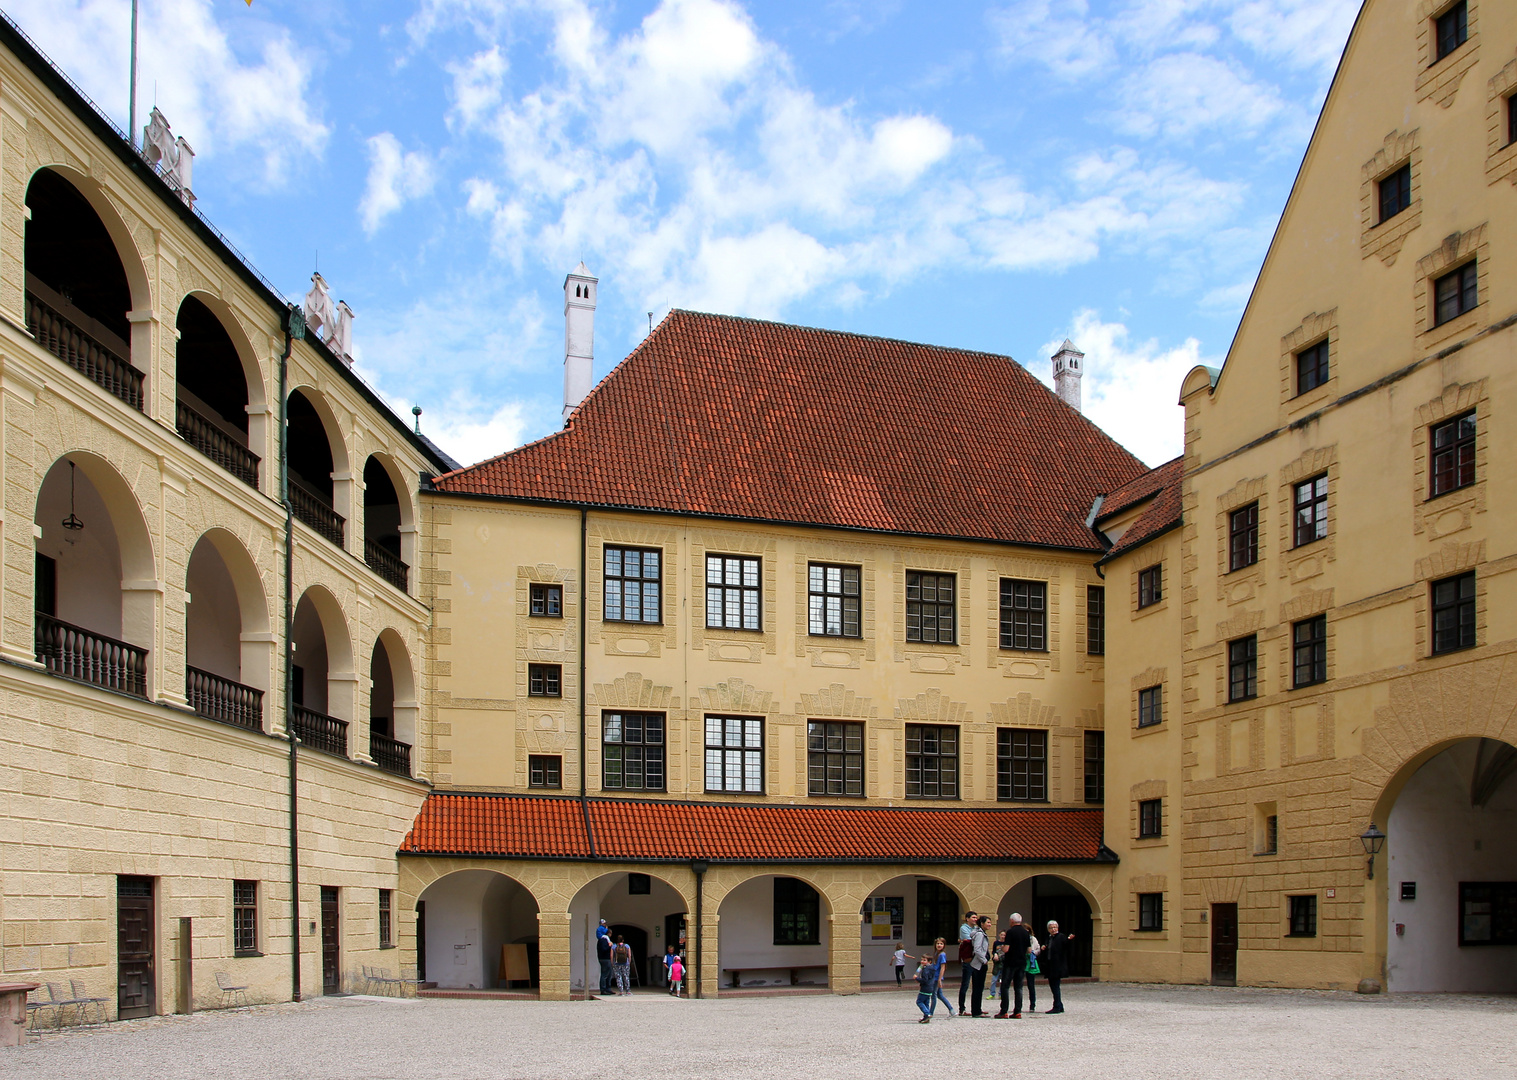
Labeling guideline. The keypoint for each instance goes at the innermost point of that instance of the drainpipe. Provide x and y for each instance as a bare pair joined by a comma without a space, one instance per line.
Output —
584,675
699,868
294,328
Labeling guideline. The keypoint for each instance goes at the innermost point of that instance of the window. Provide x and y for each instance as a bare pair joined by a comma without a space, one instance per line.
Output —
833,600
639,885
735,754
1095,766
1024,615
1455,293
1303,916
1150,818
545,771
1151,706
548,601
545,680
632,585
1311,367
937,912
1453,454
386,918
1151,911
929,607
1021,765
1269,843
1243,668
1511,119
1451,29
245,918
632,752
1488,913
1311,510
932,762
834,759
1150,585
1243,537
1454,613
1309,640
797,913
1095,620
47,585
732,592
1396,192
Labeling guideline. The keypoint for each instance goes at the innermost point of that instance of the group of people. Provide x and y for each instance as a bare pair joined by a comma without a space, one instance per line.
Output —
1016,957
616,965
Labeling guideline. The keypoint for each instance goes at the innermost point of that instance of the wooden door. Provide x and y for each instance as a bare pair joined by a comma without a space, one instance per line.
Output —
331,967
421,940
1224,944
134,948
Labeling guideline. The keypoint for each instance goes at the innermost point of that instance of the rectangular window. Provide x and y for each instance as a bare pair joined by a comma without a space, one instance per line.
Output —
1511,120
732,592
245,917
1024,615
1151,911
386,918
545,771
1451,29
1455,293
833,600
632,751
797,913
1021,765
1150,818
735,754
1311,510
1095,766
1311,367
937,912
932,762
1396,192
930,607
633,580
47,585
1271,839
1309,642
545,680
547,601
1454,613
1243,668
1150,585
1243,537
1488,913
1095,620
1151,706
1303,916
1453,455
834,758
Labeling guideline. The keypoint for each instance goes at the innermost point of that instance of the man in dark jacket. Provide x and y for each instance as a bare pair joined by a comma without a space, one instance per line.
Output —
603,954
1055,962
1014,968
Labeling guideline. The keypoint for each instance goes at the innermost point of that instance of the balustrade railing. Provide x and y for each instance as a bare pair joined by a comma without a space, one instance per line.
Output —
210,440
390,755
55,333
316,513
230,702
321,732
386,564
72,651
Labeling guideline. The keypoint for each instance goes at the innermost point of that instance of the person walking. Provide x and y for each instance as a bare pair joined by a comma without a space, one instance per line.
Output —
898,959
1018,944
981,950
676,974
669,957
621,961
941,964
927,986
1055,962
603,954
966,955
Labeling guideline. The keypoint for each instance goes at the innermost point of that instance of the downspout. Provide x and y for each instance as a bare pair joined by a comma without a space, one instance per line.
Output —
699,868
294,328
584,674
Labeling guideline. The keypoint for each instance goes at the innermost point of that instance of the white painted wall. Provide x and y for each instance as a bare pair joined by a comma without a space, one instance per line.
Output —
607,898
874,959
213,619
747,939
89,560
1435,838
470,914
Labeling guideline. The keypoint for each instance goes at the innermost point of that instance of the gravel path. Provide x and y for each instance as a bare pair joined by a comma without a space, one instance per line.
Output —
1112,1032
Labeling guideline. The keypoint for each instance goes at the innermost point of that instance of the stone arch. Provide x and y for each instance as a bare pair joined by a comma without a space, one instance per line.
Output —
464,917
221,399
388,526
327,681
663,910
743,902
316,438
1063,902
394,706
227,631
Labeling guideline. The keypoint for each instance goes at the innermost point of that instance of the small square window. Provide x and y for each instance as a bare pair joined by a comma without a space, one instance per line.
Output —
1451,29
545,771
639,885
1269,841
1309,645
1396,192
1455,293
544,680
1243,668
1312,367
1453,455
1150,585
1311,510
547,601
1151,911
1243,537
1151,706
1150,818
1095,620
1303,916
1454,613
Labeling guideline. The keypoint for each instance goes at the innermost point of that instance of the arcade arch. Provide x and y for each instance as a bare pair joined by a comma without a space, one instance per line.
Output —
317,458
393,705
463,920
775,930
914,910
388,524
212,388
1044,897
323,676
227,641
643,908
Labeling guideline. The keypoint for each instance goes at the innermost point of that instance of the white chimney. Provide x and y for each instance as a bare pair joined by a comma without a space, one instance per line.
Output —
1067,374
579,336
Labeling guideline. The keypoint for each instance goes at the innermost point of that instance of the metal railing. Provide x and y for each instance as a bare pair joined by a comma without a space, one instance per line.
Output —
390,755
72,651
201,433
55,333
386,564
230,702
321,732
316,513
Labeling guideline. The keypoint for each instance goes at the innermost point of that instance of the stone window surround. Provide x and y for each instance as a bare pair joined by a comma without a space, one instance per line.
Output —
1142,681
1085,578
717,639
1451,559
1313,462
1440,79
1253,489
1454,511
616,636
1456,250
823,649
1501,156
1166,580
1314,328
1385,239
1013,662
930,657
1138,885
1306,606
1143,792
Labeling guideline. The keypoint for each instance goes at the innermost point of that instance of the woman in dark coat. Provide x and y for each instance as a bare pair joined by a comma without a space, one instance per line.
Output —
1055,962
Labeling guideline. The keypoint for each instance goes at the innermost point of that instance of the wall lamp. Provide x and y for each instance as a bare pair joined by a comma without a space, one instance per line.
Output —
1373,840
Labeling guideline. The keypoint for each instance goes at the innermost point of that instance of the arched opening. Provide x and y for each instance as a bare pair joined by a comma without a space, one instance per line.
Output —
775,931
1449,870
478,930
382,520
226,624
211,392
311,468
1046,897
94,594
77,291
646,911
323,673
915,911
392,705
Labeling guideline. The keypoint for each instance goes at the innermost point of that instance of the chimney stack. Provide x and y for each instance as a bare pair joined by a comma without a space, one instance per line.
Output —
579,336
1067,373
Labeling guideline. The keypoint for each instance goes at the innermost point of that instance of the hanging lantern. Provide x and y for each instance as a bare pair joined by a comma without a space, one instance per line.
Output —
72,522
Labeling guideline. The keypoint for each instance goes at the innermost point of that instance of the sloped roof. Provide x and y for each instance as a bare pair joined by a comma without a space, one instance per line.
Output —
1161,515
525,826
1135,491
737,418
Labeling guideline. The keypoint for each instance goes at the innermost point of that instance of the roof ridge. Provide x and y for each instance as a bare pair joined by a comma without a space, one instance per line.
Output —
833,332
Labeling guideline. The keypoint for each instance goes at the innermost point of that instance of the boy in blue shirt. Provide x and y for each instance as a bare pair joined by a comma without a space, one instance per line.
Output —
927,984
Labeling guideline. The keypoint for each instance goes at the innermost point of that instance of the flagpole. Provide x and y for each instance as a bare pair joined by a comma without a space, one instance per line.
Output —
131,121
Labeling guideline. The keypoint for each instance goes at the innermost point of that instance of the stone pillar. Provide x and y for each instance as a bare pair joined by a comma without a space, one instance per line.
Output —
553,955
843,952
711,961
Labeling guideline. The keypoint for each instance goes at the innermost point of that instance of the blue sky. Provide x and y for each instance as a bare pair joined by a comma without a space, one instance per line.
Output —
991,176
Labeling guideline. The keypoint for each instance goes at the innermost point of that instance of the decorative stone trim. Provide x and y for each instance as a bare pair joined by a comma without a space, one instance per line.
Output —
1501,156
1084,662
1314,328
1447,514
1154,676
1166,580
1142,792
722,644
1457,248
933,707
835,702
1024,710
1239,586
1024,663
1385,239
1303,563
1450,559
1440,79
1293,611
837,652
925,657
631,639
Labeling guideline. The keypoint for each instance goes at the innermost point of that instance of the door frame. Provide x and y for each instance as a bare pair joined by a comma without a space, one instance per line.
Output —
1217,980
150,980
336,907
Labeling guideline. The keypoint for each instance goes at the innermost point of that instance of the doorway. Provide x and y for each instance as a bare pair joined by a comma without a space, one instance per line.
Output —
421,941
637,938
1057,900
331,969
1224,944
134,948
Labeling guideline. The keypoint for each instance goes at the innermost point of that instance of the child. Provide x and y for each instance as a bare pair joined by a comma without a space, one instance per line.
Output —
898,958
940,962
676,974
927,984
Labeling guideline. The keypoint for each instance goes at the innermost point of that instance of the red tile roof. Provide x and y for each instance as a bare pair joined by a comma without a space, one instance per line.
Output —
1162,514
523,826
1135,491
737,418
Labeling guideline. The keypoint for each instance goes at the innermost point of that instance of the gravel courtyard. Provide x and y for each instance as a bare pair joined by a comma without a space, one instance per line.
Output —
1111,1032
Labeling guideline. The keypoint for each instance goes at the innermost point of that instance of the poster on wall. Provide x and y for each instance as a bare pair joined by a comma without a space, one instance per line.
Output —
885,916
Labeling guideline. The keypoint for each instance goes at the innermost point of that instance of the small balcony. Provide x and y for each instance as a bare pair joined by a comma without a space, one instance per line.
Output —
320,732
69,342
317,513
386,564
389,755
206,436
77,653
223,700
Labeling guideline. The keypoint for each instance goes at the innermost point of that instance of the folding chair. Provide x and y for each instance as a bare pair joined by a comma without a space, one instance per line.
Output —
82,996
35,1010
231,994
64,1000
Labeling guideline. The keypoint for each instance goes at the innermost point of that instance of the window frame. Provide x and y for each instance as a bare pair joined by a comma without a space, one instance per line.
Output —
921,756
1095,620
1309,515
803,912
545,600
386,920
1032,762
1095,766
644,747
656,583
1465,609
1248,661
550,767
1301,915
1310,653
1465,294
1150,585
1150,912
1511,119
1271,835
749,597
1150,819
819,595
1024,612
1151,706
545,680
245,927
1400,194
1243,537
747,753
1502,900
1455,460
918,608
1455,19
1314,366
822,756
937,912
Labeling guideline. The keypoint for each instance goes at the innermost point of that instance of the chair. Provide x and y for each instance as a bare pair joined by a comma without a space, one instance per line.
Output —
34,1010
64,1000
408,981
82,996
231,994
380,979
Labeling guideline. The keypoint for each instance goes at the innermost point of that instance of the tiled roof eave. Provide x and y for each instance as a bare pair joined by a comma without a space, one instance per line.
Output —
1120,549
1103,856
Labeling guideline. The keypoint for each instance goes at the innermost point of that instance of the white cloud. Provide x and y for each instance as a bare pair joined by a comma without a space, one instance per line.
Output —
395,178
1301,33
1181,93
469,439
1058,34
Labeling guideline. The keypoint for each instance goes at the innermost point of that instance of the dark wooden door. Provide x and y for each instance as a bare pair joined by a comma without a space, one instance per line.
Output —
1224,944
331,966
134,948
421,940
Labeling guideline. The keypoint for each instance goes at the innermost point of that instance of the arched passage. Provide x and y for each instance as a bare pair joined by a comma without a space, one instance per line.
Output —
211,391
316,457
227,646
647,911
464,919
914,910
1045,897
775,930
392,704
323,674
385,514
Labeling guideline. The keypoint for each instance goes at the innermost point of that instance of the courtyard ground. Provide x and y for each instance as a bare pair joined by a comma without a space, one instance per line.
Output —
1111,1032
